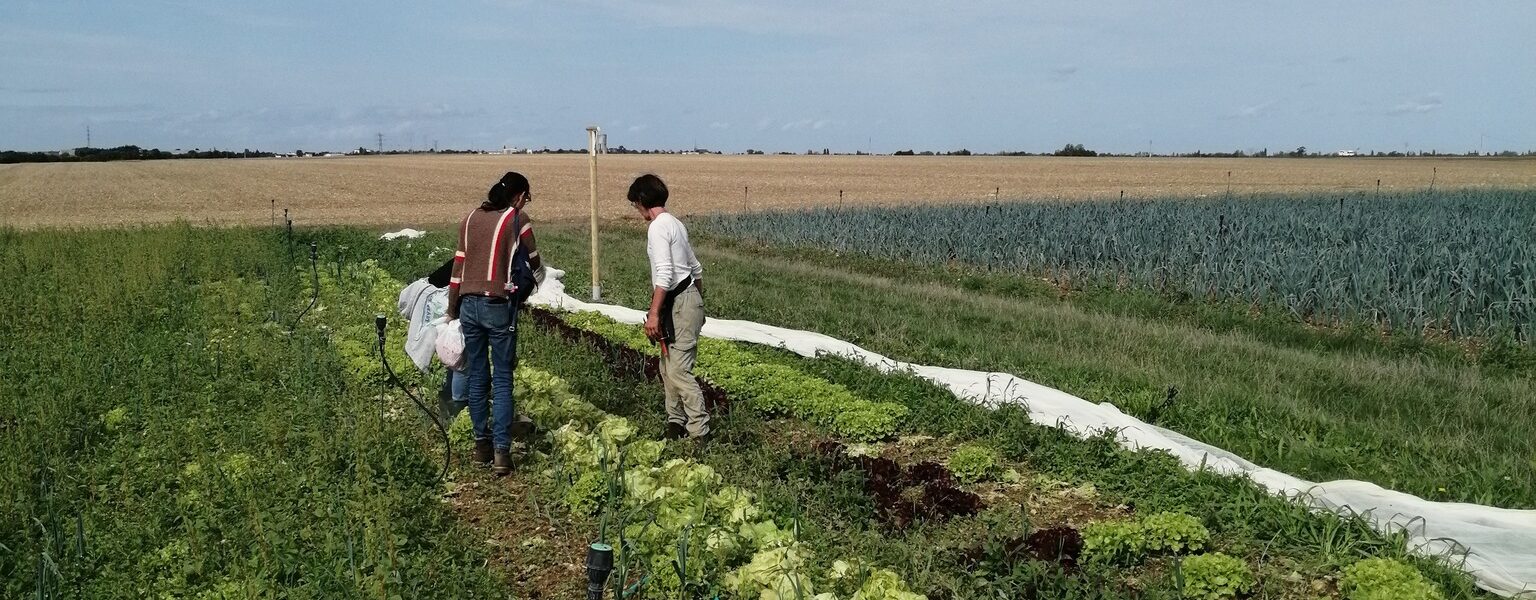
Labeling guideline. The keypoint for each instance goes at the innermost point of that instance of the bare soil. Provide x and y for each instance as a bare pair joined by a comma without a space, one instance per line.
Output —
391,191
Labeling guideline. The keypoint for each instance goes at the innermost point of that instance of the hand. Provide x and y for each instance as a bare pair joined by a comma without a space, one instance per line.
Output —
652,326
453,315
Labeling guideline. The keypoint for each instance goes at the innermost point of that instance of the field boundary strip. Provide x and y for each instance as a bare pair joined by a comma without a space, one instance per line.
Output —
1499,544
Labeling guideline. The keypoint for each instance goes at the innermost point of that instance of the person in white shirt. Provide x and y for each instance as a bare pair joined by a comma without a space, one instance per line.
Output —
677,307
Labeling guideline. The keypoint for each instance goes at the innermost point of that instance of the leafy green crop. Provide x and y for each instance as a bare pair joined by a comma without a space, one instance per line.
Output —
1114,542
1129,542
677,519
1215,576
1173,533
1386,579
179,441
772,388
115,419
586,495
461,432
974,462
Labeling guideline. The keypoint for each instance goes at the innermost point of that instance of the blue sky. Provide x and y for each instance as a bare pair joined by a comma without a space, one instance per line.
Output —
1114,75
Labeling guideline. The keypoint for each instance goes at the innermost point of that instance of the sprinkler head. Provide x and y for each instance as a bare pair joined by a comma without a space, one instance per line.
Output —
314,251
599,565
379,323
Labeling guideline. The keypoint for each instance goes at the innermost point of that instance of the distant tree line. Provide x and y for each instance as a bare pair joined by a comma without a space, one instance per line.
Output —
623,150
86,154
960,152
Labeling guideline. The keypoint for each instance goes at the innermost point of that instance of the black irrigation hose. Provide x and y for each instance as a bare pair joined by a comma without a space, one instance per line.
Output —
380,322
314,270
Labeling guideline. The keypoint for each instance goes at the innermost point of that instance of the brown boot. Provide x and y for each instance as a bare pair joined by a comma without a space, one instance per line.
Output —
503,464
482,455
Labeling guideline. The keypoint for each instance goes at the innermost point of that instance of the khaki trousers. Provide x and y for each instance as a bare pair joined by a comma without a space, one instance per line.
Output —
684,399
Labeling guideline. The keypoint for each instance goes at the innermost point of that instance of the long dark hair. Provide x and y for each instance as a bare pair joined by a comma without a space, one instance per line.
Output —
500,195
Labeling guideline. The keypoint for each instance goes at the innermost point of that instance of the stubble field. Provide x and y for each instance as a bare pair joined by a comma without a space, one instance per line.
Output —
412,190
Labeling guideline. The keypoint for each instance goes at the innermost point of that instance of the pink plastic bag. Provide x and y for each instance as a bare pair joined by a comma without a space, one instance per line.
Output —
450,345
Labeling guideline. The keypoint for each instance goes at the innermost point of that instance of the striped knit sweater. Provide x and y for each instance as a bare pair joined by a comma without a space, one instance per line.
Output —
487,241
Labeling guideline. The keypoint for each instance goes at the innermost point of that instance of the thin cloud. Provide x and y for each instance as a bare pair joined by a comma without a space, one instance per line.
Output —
809,124
719,125
1252,110
1422,104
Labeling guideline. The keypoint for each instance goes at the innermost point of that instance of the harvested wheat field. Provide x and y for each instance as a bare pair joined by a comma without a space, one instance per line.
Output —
395,190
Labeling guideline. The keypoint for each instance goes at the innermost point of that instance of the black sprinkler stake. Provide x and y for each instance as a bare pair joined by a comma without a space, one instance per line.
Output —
599,565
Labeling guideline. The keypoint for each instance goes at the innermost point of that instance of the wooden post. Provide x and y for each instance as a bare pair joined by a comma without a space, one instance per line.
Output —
592,131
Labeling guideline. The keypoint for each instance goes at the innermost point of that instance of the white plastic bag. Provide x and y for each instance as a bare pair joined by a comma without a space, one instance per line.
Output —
450,345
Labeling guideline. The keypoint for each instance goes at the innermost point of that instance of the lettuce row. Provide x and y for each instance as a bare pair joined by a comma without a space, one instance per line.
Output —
1214,576
678,522
1386,579
1130,542
345,310
772,388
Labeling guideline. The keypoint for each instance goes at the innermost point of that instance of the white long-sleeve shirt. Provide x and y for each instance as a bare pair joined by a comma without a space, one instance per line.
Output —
672,259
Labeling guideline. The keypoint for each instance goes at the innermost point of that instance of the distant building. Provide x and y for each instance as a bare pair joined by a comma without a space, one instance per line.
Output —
1347,153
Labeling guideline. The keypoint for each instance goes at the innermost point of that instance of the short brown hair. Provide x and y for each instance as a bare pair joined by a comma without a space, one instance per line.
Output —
649,191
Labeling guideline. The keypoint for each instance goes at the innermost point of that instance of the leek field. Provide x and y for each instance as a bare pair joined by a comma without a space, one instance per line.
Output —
1459,263
173,427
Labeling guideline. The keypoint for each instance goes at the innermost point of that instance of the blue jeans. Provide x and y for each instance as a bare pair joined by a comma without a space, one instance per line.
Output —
490,354
453,397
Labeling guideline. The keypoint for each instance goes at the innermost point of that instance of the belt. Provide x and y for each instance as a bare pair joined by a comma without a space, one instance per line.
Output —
490,298
668,331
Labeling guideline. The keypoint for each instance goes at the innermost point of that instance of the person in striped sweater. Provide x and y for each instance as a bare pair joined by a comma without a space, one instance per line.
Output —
495,267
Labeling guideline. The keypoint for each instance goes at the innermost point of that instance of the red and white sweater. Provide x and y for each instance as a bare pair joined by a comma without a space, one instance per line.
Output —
486,244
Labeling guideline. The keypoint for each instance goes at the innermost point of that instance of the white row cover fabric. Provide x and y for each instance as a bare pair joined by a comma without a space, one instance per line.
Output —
406,233
1499,544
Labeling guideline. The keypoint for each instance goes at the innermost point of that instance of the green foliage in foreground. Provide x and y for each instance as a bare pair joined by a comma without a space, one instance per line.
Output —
974,462
1214,576
1131,541
165,436
676,521
1386,579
